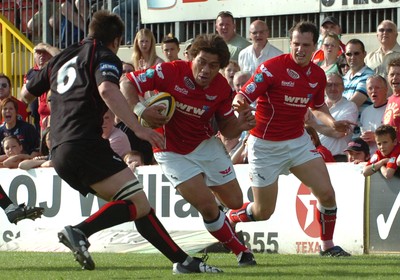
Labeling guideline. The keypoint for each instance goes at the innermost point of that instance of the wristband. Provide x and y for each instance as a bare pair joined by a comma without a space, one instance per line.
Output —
139,109
373,168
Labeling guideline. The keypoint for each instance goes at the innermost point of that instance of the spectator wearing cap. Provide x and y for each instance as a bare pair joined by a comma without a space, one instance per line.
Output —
226,27
372,116
170,47
389,48
260,50
328,25
357,151
42,53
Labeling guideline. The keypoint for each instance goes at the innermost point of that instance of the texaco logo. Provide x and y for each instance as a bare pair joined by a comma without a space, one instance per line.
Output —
306,207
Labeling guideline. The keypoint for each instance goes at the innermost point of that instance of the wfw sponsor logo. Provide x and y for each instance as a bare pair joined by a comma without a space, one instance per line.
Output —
385,226
296,101
186,109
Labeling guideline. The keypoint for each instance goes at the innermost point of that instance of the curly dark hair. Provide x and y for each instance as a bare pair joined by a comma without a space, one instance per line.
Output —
211,43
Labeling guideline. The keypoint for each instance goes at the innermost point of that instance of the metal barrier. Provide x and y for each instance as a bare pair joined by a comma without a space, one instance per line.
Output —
48,24
16,56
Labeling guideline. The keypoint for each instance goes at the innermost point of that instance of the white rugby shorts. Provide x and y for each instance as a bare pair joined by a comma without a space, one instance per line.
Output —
269,159
209,158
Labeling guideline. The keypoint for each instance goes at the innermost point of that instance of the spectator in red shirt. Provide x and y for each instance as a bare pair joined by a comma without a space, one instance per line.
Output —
42,53
5,91
385,159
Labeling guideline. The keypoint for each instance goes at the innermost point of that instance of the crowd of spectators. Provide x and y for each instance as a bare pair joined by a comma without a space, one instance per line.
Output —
363,75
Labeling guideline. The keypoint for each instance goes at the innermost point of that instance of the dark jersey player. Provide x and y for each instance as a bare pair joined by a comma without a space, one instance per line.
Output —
84,81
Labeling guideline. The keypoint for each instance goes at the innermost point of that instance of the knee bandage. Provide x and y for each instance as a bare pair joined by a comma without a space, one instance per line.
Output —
129,189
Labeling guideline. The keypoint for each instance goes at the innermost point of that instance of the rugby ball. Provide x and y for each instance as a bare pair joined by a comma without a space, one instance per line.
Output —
162,98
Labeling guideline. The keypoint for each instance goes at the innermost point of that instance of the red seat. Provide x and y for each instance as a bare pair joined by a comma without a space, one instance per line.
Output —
9,9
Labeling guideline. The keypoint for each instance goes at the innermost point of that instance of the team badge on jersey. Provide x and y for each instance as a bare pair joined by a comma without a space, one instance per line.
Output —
293,74
258,78
149,73
189,83
250,88
108,67
142,77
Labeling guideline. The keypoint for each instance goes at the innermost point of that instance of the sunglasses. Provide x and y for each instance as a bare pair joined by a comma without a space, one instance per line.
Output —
4,85
387,30
349,54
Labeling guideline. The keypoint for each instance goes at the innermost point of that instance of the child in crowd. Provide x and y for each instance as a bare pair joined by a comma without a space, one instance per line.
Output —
357,151
44,159
385,158
229,72
13,152
322,150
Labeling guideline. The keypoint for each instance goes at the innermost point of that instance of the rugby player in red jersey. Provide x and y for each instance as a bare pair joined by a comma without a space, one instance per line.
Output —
285,87
194,159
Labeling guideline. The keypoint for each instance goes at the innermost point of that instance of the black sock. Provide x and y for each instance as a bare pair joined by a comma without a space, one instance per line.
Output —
111,214
5,201
151,228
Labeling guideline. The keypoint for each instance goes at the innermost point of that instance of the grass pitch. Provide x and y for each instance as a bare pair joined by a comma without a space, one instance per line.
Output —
32,265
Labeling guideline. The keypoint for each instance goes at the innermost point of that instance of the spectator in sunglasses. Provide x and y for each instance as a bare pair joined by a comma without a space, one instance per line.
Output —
355,80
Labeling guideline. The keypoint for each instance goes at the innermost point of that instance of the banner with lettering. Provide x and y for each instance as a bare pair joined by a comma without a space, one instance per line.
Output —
292,228
154,11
